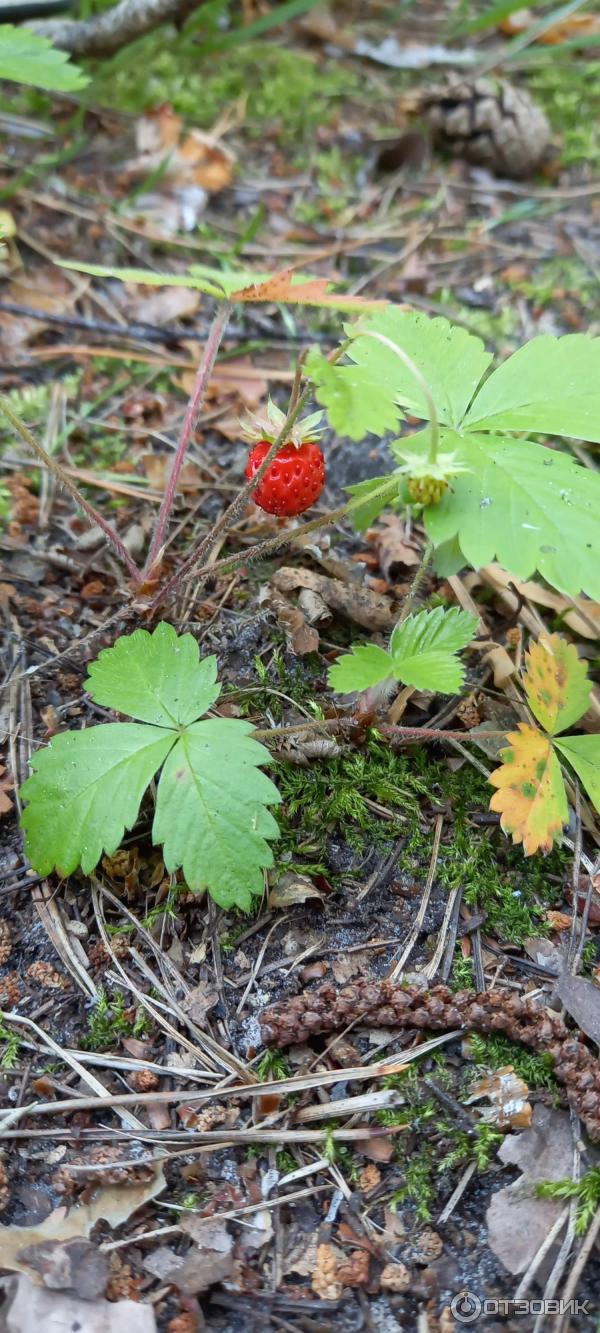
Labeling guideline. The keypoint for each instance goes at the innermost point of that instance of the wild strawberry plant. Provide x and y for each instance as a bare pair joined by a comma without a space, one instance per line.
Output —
487,489
211,811
422,653
531,798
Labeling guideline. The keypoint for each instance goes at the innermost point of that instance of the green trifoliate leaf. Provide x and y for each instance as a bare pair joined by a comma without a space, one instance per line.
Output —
450,360
365,665
85,791
27,58
583,754
423,648
155,677
550,385
211,811
422,654
529,507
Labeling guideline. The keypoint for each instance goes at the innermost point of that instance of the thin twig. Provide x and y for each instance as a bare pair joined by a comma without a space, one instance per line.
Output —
51,464
197,396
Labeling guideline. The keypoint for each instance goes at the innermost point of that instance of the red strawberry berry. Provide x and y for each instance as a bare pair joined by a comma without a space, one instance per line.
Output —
292,482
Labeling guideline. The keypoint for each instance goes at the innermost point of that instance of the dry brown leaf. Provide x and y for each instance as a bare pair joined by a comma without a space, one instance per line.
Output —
211,1258
581,999
197,158
518,1222
301,1256
312,291
163,305
360,604
580,614
157,467
395,554
32,1309
502,666
301,638
47,289
112,1205
291,889
6,804
200,1000
559,920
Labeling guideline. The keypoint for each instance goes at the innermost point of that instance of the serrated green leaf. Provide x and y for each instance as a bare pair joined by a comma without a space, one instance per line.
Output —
451,361
583,754
528,507
354,404
155,677
215,829
447,630
423,647
85,791
27,58
378,493
549,384
364,666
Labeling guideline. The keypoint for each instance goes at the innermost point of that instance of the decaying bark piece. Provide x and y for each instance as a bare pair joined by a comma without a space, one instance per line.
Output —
105,33
387,1004
490,122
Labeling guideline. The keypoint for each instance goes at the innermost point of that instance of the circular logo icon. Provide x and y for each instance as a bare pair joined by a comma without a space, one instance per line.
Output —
466,1307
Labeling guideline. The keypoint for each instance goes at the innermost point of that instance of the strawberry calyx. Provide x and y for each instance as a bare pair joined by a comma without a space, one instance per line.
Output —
268,425
428,479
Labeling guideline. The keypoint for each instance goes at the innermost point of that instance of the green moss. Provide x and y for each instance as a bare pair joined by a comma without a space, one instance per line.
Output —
285,91
569,92
586,1191
490,1053
331,800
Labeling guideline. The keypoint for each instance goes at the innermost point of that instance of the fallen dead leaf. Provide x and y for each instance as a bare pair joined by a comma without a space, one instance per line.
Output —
157,467
163,305
518,1222
293,888
199,1001
6,804
210,1260
75,1266
581,999
301,1256
301,638
579,613
359,603
198,157
47,289
112,1205
32,1309
395,554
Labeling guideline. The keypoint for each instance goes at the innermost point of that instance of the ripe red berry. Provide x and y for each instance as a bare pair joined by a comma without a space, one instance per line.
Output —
292,482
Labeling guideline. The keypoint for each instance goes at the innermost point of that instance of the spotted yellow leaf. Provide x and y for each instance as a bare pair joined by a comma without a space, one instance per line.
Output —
531,798
556,683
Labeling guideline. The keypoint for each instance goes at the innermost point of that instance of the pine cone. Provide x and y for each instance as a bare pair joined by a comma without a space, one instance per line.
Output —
5,941
387,1004
491,123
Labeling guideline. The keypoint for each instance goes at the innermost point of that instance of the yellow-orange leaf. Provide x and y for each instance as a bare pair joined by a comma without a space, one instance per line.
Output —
531,798
311,291
556,683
